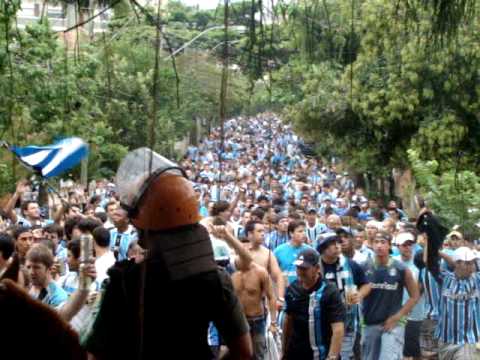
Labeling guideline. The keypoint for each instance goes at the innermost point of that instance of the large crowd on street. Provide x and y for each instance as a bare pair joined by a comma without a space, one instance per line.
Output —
320,269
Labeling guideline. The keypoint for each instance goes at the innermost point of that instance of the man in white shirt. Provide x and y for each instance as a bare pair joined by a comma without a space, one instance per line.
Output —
110,211
105,258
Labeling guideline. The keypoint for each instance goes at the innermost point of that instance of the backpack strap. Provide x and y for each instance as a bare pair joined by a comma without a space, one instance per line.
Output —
315,323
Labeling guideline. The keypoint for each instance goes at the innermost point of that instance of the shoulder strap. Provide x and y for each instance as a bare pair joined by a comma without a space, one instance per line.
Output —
269,259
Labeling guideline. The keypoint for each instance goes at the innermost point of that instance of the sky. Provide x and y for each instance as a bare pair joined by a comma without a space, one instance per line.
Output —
203,4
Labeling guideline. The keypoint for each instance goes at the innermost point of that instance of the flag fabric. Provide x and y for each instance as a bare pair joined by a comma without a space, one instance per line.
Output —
52,160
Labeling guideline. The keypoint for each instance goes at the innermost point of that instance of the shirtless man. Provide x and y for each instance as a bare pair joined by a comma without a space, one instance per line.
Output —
252,284
261,255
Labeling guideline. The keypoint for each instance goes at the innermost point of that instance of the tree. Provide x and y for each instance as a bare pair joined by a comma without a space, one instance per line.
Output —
453,195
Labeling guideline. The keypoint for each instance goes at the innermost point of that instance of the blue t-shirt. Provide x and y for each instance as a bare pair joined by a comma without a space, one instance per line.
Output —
53,295
286,254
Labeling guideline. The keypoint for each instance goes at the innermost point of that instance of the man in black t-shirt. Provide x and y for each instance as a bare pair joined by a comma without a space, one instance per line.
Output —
315,314
351,282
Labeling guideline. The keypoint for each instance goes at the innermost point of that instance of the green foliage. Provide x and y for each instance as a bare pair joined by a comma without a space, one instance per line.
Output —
398,93
103,92
453,195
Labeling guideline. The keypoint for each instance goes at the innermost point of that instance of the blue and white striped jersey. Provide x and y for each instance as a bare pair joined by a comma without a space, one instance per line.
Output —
459,319
119,241
275,239
431,293
313,232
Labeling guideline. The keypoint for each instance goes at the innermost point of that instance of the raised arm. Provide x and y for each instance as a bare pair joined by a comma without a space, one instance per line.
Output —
8,209
79,297
243,255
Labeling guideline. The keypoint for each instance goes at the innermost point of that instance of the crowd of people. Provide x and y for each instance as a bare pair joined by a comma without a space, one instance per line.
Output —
321,270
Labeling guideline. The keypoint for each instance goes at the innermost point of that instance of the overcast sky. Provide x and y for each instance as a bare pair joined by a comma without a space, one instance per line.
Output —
204,4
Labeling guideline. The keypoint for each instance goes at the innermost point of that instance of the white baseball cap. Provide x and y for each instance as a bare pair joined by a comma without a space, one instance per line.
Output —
403,237
374,223
464,253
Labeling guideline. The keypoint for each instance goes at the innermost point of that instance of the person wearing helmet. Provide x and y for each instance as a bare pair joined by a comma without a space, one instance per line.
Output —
163,305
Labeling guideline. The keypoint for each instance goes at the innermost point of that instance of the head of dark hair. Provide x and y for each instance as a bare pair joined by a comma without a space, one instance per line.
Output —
54,229
6,246
101,216
377,214
250,226
88,225
393,210
101,236
243,239
19,230
259,213
25,204
262,198
74,247
69,225
94,200
294,215
110,203
328,211
293,225
219,207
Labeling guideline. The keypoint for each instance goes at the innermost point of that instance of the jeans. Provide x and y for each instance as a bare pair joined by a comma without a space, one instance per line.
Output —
258,326
379,344
348,342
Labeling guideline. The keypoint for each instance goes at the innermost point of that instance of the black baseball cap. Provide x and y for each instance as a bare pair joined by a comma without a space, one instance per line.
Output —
343,232
307,258
326,241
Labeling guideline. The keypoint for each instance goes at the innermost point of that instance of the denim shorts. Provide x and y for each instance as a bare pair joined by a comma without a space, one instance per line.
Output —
380,344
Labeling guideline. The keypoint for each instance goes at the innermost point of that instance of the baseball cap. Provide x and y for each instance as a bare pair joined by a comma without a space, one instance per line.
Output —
307,258
403,237
323,244
464,253
456,234
343,231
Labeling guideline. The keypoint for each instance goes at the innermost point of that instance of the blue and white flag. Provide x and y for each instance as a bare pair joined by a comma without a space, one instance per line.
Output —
52,160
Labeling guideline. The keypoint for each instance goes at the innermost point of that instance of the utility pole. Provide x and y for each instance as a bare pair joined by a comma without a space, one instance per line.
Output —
223,93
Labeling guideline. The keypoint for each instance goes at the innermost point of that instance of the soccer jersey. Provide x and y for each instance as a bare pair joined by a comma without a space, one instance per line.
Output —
314,231
286,254
119,242
459,320
385,299
275,239
53,295
432,294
